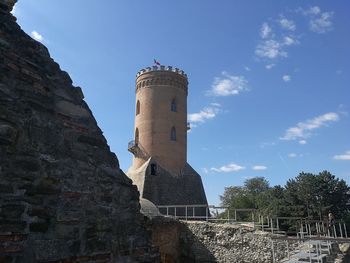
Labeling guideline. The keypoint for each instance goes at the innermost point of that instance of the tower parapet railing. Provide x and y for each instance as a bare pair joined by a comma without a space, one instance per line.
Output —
132,146
161,68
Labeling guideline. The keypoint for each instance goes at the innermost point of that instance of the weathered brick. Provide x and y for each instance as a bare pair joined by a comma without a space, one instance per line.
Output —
13,238
11,249
62,191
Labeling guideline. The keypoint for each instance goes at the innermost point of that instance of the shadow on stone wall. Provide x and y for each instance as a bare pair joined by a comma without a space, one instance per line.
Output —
176,242
193,250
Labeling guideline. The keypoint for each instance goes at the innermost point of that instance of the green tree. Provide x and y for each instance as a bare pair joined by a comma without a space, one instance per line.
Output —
255,188
313,196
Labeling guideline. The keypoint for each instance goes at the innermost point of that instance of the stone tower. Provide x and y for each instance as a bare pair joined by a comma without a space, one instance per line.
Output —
160,169
161,117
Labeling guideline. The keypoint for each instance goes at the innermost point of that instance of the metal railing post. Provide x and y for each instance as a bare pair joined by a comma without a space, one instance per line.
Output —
206,213
273,252
271,226
346,233
340,230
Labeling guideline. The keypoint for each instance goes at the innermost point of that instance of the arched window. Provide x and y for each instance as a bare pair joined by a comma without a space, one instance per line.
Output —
173,106
138,107
173,134
137,136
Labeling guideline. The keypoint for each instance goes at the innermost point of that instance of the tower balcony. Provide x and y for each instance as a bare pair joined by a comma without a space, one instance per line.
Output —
188,126
132,147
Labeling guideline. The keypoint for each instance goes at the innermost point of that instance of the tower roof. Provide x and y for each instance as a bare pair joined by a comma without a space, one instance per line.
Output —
161,68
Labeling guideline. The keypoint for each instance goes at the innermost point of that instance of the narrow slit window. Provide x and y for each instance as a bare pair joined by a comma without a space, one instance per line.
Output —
153,169
173,134
138,107
173,106
137,136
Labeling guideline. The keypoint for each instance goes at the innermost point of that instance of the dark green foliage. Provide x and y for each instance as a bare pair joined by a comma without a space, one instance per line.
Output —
307,195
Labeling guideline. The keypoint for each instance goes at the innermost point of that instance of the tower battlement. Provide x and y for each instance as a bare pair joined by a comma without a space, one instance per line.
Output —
161,68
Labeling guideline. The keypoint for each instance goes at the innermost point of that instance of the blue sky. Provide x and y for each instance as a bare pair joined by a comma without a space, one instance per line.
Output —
269,90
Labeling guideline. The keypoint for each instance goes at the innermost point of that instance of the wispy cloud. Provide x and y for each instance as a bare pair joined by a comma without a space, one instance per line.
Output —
265,30
302,142
287,24
228,85
204,115
286,78
205,170
303,129
37,36
314,10
343,157
269,66
275,42
267,144
279,35
289,40
231,167
270,49
320,22
259,168
294,155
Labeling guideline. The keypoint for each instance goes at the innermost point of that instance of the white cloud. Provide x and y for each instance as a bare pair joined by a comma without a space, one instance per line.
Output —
247,68
313,10
286,78
274,45
288,41
259,167
269,66
287,24
37,36
203,115
342,157
265,30
231,167
270,49
228,85
294,155
215,104
320,22
205,170
302,142
266,144
303,129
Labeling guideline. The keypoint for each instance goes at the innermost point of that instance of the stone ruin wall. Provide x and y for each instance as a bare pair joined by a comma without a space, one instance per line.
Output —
63,197
203,242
